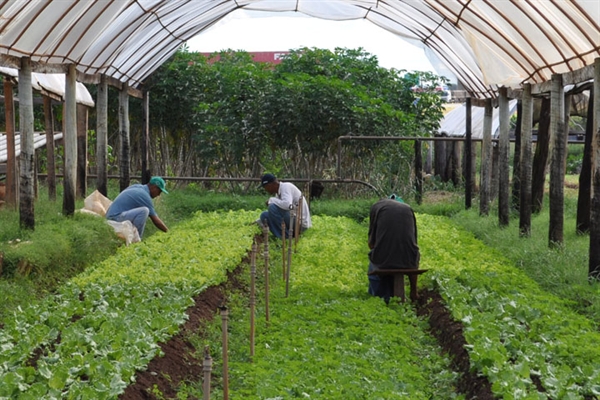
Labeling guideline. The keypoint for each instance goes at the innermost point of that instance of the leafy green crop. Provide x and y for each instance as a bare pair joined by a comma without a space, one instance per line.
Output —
89,339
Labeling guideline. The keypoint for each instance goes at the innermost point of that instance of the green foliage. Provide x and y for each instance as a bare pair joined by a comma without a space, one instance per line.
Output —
235,117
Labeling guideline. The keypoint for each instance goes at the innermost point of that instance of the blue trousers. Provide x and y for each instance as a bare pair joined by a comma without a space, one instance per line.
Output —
137,216
381,286
273,218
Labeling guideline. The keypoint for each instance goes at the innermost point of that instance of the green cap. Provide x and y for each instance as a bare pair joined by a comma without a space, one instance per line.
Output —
159,183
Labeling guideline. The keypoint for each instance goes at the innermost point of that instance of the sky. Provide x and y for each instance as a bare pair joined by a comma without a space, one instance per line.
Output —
242,30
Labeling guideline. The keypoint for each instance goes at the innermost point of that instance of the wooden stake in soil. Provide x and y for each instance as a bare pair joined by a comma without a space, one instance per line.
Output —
207,369
252,296
266,255
283,249
298,220
289,260
224,318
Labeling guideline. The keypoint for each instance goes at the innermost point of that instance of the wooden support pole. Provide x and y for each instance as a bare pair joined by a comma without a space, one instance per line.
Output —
558,161
224,319
525,207
584,197
266,257
82,144
12,181
70,141
283,258
418,172
594,248
207,370
486,161
125,154
252,296
503,158
26,160
50,163
289,255
146,173
468,159
102,136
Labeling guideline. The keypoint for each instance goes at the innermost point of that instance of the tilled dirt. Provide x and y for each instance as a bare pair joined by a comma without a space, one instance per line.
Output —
181,362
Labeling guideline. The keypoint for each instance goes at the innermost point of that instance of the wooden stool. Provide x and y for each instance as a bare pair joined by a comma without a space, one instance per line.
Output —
398,274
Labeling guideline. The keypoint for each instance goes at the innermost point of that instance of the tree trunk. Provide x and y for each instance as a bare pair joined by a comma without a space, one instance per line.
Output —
468,159
516,184
526,126
12,163
418,172
51,166
82,144
585,176
124,159
486,160
70,140
594,248
540,159
102,136
503,157
558,162
27,162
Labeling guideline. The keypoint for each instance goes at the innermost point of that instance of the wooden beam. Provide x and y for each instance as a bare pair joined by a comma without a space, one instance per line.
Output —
558,140
526,163
12,182
503,160
594,248
27,157
70,141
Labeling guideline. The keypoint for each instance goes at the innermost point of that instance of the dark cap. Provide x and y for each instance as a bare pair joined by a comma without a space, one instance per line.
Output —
266,179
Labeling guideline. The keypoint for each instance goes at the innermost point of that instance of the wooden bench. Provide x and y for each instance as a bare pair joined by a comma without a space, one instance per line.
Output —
398,274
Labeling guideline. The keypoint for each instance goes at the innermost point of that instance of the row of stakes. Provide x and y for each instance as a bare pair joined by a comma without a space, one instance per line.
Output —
292,240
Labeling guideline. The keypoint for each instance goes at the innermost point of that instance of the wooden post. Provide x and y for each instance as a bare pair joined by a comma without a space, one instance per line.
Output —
486,160
124,156
12,181
558,161
102,136
51,166
207,369
468,159
82,144
283,249
418,172
266,256
252,296
289,260
540,158
70,141
503,152
146,174
298,222
27,162
594,248
224,318
584,198
516,181
526,163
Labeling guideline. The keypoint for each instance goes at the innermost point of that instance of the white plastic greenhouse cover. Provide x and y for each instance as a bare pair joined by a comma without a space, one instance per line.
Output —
485,43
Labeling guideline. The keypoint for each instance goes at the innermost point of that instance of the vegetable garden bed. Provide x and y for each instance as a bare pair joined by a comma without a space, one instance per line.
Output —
328,339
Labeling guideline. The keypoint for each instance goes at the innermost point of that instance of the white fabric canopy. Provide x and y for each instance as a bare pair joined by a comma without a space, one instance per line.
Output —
485,43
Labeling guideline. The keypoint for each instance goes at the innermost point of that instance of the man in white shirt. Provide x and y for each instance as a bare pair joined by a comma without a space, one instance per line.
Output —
286,198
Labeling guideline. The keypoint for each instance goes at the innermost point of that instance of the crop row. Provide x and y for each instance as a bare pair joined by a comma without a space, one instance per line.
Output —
329,339
89,339
528,343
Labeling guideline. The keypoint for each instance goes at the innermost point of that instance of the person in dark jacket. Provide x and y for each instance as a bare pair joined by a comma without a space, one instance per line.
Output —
393,244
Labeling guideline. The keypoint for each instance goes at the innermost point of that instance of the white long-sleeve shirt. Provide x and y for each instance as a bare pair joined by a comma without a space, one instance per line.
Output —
288,197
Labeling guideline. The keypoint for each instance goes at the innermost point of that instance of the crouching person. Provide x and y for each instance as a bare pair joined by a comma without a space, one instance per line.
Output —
393,243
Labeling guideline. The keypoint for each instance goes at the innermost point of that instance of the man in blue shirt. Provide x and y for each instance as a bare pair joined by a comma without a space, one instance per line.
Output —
134,204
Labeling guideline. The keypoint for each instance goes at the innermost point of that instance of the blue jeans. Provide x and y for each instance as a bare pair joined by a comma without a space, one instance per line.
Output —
381,286
273,218
137,216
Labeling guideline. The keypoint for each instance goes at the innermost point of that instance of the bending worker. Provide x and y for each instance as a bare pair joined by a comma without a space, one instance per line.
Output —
134,204
286,197
393,244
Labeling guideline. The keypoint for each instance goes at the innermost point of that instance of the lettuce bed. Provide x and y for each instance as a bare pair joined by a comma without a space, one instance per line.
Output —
89,339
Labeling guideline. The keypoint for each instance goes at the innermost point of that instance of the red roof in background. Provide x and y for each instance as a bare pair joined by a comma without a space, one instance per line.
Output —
273,57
